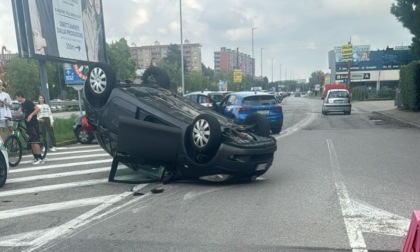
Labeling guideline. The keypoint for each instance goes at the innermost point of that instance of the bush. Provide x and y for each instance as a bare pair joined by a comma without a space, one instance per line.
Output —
359,94
410,86
63,129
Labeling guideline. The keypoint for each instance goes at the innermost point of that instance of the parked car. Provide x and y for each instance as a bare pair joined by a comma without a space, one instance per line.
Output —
337,100
239,105
297,94
83,130
146,127
4,165
15,110
205,98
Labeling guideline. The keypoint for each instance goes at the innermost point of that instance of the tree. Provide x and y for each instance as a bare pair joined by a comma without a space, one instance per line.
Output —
173,57
119,57
315,78
408,13
22,74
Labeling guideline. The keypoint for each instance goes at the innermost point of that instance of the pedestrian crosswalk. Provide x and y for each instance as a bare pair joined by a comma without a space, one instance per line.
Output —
72,186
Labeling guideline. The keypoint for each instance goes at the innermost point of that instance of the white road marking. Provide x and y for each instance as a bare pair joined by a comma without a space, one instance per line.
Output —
56,166
82,220
18,212
57,175
70,158
52,187
22,239
191,195
360,217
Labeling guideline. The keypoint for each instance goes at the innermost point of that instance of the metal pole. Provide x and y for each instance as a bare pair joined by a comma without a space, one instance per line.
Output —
253,60
261,63
182,49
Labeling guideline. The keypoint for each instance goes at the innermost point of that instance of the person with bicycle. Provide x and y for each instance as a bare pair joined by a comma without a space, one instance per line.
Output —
5,105
30,110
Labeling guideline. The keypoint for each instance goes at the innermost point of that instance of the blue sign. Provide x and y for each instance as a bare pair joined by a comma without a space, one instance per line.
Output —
75,74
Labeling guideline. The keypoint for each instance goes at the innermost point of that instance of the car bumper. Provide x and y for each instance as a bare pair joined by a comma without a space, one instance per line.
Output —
232,160
337,108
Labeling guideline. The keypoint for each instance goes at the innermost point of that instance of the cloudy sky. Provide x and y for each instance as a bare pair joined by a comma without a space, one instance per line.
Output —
296,35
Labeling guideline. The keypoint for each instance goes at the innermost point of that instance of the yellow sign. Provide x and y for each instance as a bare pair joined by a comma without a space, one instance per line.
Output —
346,52
237,75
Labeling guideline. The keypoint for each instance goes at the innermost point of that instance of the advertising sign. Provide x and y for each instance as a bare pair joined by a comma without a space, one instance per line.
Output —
237,75
346,53
62,30
75,74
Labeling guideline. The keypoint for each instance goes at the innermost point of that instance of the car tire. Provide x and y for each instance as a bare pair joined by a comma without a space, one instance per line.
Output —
206,134
260,124
156,76
83,137
100,81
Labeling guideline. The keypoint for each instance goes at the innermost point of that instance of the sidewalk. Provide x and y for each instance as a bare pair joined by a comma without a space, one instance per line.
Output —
389,110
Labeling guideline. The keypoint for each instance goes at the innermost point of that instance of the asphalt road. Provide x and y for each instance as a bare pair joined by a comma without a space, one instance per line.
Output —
338,183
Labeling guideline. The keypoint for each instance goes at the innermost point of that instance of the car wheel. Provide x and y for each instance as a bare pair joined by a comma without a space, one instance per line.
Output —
99,84
259,124
156,76
83,137
347,112
206,134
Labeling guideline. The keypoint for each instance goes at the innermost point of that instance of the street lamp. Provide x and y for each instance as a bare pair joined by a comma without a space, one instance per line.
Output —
253,63
262,62
182,48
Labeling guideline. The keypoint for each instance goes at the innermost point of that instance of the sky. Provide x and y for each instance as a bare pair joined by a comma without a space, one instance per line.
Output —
291,38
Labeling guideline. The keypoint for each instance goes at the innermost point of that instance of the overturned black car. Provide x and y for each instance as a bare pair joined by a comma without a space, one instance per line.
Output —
163,135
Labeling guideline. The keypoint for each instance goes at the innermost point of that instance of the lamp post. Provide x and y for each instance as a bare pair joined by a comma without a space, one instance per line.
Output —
262,62
253,60
182,49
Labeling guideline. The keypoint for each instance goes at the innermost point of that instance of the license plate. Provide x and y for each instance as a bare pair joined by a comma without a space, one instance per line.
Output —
338,101
263,112
261,167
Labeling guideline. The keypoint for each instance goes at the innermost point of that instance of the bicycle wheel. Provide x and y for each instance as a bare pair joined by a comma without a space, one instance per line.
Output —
14,150
44,146
3,171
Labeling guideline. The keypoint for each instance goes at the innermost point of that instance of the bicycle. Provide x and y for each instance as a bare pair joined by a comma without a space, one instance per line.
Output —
13,143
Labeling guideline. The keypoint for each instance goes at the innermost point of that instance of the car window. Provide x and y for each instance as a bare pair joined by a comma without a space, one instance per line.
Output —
216,97
339,94
202,99
260,100
232,100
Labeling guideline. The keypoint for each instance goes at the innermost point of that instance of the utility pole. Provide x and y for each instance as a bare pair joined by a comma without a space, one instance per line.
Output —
262,62
253,60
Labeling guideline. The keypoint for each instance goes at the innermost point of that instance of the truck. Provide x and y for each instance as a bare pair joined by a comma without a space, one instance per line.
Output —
332,86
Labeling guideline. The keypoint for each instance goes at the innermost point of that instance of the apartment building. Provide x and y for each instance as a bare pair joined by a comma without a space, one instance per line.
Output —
229,59
153,54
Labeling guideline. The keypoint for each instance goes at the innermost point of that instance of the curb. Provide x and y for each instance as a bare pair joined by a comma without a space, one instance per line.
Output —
399,120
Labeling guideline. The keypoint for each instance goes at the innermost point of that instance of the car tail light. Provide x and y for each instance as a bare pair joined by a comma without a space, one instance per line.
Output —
279,107
243,109
85,124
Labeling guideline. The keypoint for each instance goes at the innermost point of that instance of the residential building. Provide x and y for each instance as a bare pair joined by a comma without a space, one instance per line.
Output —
228,60
153,54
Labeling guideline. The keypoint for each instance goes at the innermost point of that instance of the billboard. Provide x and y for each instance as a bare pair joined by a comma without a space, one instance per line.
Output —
346,52
61,30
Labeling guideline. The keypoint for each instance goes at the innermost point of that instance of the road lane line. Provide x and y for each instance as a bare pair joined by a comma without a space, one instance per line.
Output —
18,212
57,175
47,159
52,187
357,242
56,166
82,220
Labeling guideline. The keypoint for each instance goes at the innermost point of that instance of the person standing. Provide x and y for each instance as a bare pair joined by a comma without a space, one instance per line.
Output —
30,111
46,122
5,105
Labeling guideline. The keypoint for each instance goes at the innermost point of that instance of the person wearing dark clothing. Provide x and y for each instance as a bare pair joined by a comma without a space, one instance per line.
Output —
30,111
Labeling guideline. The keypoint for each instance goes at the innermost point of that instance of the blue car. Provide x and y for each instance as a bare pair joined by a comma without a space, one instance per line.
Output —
239,105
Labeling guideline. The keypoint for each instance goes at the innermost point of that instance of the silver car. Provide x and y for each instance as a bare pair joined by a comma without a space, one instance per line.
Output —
337,100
